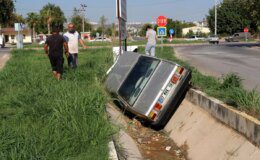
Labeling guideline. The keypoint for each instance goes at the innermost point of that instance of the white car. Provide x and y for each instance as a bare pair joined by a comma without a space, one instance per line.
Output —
2,41
213,39
101,39
194,38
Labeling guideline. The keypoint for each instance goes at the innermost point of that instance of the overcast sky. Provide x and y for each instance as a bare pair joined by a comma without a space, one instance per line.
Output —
138,10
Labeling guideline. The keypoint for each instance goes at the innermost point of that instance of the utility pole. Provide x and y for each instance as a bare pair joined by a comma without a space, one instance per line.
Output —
83,9
216,17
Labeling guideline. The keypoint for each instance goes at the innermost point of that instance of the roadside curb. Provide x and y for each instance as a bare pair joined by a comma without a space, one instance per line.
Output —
124,145
112,151
239,121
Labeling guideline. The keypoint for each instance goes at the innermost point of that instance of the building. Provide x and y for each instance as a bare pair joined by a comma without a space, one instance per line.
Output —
196,30
10,35
201,27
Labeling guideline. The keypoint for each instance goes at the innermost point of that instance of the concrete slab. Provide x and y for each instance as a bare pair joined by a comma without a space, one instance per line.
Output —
208,138
128,149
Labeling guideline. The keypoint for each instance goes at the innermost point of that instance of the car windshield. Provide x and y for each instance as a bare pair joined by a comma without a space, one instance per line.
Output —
138,78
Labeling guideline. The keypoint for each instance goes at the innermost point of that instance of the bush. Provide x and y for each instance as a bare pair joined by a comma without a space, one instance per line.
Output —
231,80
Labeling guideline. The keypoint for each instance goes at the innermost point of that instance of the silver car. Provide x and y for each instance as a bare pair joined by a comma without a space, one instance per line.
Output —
148,87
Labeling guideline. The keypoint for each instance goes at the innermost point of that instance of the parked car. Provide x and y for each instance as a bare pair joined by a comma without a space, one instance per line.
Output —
148,87
213,39
2,41
238,37
194,38
101,39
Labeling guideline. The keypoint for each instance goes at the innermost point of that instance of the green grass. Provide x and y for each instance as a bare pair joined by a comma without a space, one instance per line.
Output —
228,88
116,43
42,118
33,45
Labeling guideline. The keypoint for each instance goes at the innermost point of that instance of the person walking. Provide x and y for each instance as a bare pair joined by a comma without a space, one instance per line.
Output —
151,41
73,37
54,50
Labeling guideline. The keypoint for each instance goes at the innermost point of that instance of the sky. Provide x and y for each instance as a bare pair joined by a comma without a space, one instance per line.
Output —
137,10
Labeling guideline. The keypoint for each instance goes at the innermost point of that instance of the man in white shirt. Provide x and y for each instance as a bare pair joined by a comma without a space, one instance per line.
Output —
151,41
73,38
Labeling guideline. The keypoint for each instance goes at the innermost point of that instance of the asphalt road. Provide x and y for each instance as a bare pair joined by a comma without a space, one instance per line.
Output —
217,60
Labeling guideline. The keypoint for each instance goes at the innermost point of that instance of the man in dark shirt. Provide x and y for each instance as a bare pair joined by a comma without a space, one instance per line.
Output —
54,50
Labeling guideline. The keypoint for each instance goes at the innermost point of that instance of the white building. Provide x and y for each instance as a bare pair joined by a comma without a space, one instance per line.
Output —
195,30
201,27
10,35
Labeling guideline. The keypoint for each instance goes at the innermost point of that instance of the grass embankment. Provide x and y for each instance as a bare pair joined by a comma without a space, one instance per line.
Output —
42,118
228,89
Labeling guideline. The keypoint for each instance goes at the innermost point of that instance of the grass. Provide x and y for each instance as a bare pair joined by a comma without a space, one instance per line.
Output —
42,118
115,43
229,88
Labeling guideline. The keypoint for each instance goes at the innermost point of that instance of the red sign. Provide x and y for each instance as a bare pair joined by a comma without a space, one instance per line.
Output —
246,30
161,21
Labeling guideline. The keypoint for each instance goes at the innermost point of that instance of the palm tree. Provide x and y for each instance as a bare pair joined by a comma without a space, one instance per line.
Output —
48,15
32,20
51,13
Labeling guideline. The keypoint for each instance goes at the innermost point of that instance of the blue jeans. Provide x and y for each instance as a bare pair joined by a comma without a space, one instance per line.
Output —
150,49
73,60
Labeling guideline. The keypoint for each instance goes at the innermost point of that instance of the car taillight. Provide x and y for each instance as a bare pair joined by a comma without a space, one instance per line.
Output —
158,106
175,78
153,115
156,109
180,70
177,75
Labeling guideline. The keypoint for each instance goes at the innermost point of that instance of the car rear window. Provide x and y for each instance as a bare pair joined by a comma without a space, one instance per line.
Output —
138,78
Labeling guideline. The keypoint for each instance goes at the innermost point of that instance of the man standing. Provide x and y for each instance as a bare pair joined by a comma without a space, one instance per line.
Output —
151,41
54,50
73,37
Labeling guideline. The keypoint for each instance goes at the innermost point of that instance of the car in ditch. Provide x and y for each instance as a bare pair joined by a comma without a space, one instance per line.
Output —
149,87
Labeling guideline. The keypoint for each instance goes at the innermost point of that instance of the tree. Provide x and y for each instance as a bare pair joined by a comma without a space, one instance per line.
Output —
15,18
77,20
33,20
177,26
189,34
113,30
6,11
52,15
102,23
235,15
108,31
